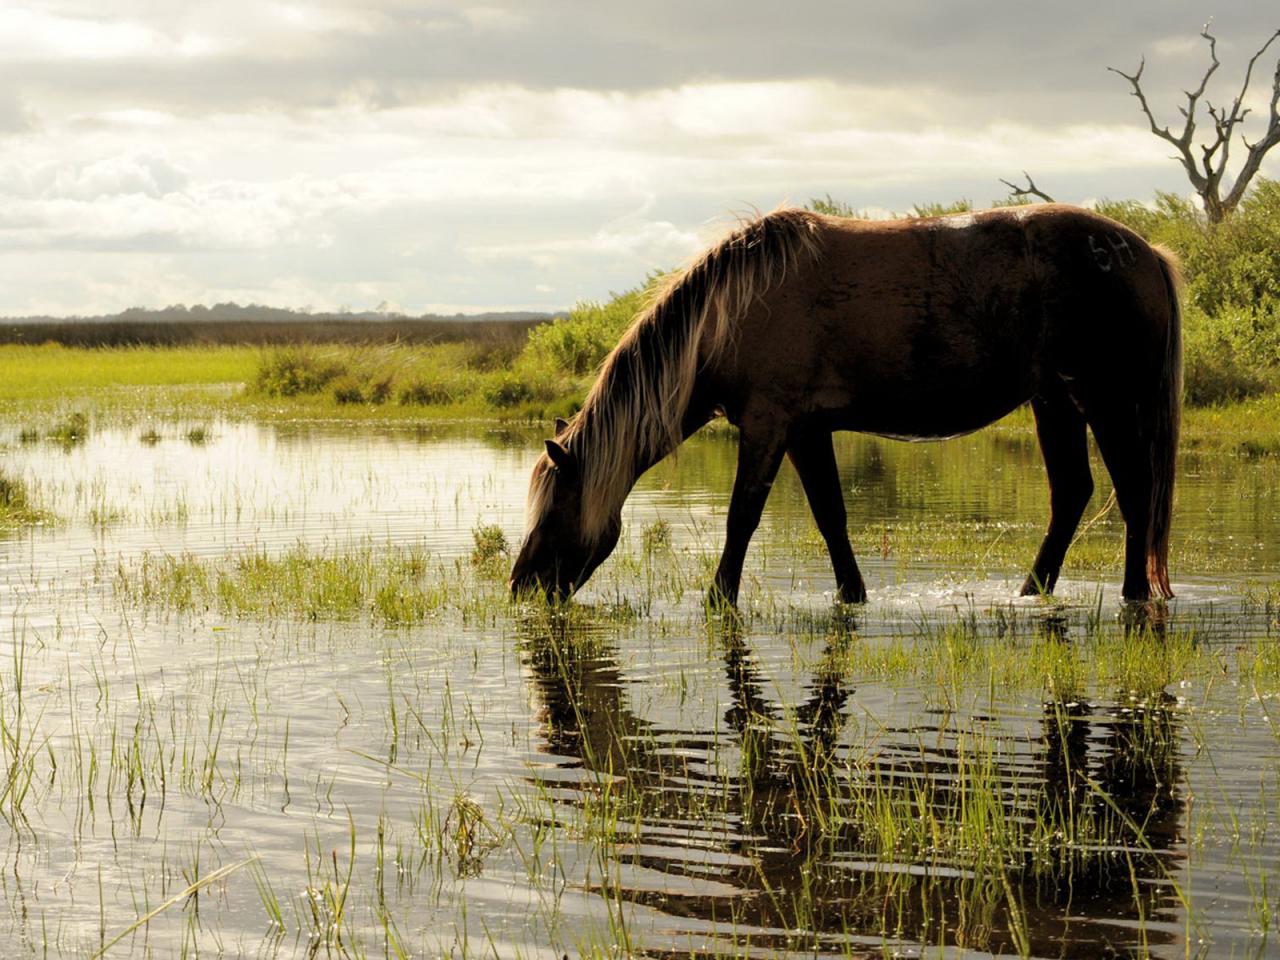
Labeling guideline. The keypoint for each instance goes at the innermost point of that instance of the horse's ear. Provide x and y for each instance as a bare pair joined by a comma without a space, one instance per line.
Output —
561,457
561,425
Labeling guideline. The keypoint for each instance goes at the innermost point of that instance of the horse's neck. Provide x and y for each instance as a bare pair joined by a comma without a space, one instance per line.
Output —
620,471
695,418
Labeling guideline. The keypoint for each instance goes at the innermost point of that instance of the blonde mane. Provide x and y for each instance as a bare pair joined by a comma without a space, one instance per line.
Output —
634,411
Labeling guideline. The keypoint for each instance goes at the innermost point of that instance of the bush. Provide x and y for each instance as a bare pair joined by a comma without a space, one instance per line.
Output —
492,354
290,371
1217,367
380,390
508,390
425,393
575,345
346,389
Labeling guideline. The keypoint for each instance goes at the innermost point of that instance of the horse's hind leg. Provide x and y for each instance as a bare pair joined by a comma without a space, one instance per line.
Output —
1064,444
1128,461
814,458
760,448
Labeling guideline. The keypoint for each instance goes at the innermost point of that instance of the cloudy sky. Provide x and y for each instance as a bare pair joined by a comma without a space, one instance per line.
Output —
449,156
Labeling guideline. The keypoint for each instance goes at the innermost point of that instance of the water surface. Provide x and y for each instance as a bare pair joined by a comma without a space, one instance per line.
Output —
493,780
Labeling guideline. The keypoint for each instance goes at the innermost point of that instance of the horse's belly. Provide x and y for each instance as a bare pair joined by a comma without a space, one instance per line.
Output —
922,411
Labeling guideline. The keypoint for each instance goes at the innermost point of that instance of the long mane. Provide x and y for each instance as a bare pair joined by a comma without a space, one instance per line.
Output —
634,411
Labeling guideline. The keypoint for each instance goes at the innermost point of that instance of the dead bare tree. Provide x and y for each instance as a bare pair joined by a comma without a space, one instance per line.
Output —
1030,190
1206,174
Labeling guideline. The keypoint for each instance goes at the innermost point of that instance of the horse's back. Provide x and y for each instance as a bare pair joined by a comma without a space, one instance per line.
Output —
933,326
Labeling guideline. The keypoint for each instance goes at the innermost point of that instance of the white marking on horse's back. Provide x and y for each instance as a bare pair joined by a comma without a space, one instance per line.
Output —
957,221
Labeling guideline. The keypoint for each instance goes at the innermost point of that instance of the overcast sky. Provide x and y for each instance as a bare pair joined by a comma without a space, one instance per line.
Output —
450,157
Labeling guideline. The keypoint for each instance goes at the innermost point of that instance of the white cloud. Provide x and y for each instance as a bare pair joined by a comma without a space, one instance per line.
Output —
498,196
35,34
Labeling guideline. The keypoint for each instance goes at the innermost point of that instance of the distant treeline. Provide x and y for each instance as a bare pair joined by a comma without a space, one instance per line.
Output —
232,324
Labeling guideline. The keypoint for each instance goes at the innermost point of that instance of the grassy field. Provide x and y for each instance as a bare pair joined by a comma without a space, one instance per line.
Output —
40,386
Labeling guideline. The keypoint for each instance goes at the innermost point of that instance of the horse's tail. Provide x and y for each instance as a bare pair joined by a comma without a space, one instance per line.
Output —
1163,420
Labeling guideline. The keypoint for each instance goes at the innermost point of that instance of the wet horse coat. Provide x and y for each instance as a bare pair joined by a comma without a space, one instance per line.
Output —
798,324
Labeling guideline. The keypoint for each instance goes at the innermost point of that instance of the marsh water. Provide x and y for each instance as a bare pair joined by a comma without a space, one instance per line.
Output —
628,776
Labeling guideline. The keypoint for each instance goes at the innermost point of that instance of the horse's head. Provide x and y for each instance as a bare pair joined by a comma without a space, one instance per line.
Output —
559,552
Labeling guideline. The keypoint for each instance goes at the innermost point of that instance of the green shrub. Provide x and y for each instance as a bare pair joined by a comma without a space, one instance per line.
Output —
346,389
1217,366
492,354
290,371
425,393
940,209
508,390
380,390
575,345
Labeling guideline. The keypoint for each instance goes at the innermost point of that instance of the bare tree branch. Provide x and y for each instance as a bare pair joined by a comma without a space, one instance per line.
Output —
1030,190
1269,138
1207,174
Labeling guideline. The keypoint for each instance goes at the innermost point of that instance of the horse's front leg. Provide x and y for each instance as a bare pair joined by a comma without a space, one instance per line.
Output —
760,449
814,458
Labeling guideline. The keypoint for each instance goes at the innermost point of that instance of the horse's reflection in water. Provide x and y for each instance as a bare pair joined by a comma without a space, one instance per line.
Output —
768,852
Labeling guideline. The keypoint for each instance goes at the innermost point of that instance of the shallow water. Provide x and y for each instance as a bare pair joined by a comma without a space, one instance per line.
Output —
496,781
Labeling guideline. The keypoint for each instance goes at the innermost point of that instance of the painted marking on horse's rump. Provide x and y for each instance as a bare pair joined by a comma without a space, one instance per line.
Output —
1124,253
1100,253
956,221
1117,252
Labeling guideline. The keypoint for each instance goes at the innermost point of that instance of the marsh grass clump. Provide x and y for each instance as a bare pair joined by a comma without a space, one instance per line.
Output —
347,389
470,834
28,435
294,371
16,507
379,390
149,437
197,436
393,586
423,392
491,548
73,429
655,537
508,390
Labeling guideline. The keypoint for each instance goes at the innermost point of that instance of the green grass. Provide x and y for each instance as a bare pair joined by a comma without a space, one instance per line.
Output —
16,503
16,506
52,372
993,756
39,385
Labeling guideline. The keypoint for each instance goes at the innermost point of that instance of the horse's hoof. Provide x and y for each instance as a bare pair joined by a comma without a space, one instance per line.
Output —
848,595
1034,587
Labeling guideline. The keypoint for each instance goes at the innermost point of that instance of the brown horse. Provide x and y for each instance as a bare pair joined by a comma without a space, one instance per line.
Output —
798,324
